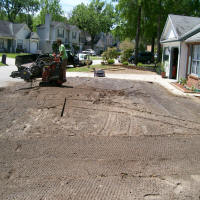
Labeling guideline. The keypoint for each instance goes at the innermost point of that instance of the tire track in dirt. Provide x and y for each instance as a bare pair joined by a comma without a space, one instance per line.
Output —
108,125
193,126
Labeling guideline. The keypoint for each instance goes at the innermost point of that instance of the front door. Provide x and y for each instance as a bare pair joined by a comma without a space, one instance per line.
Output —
9,45
174,62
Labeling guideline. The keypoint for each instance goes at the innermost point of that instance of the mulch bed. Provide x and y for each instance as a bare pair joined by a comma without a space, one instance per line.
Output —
183,89
143,68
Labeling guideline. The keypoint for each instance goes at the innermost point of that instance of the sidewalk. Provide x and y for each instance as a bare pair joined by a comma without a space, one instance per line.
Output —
5,78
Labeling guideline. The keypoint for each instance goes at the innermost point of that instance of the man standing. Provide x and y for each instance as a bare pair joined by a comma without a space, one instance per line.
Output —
63,56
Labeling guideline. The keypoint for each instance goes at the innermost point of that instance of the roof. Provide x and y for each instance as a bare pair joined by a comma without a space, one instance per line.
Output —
32,35
5,29
183,24
54,24
17,28
194,38
9,29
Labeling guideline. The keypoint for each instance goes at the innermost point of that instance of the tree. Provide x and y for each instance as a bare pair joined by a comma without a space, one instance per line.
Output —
25,18
126,47
52,7
93,18
14,7
131,12
137,38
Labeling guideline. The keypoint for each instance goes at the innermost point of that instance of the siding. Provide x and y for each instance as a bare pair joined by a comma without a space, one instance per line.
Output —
22,35
183,60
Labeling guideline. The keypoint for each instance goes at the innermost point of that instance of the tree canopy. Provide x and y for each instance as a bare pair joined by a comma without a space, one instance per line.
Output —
93,18
143,20
12,8
52,7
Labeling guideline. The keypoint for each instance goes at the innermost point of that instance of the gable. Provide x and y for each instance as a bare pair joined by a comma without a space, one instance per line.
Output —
171,35
178,26
23,32
169,32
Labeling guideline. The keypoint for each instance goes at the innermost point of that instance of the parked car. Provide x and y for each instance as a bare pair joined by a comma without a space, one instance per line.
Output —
143,57
90,52
84,59
72,59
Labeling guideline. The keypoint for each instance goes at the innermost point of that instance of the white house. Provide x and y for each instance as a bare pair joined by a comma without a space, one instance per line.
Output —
17,37
181,47
51,31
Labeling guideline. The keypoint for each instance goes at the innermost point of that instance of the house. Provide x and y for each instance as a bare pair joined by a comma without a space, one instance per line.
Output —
181,48
51,31
17,37
105,40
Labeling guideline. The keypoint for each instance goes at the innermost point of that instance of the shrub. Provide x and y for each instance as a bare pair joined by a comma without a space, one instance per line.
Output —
126,47
110,53
125,63
126,55
18,50
140,65
182,81
160,68
126,44
111,61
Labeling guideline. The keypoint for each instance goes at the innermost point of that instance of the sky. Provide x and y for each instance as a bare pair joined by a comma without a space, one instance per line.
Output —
68,5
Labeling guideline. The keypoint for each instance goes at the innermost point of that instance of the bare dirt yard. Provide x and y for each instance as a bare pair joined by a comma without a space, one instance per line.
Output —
117,140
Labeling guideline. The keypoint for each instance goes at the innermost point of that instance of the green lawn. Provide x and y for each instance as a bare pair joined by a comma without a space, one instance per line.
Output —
88,69
95,57
1,64
13,55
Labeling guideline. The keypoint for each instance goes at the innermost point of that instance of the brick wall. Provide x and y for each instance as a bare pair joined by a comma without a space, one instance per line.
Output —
193,81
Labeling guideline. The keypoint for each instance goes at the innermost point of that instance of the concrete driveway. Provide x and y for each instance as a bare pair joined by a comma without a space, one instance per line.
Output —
5,72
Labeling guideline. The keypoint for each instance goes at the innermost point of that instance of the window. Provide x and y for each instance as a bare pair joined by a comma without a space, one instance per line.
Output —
1,44
19,44
61,33
195,69
73,35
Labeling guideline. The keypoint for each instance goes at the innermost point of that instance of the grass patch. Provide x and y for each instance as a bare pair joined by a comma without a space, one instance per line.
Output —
146,65
95,57
1,64
87,69
13,55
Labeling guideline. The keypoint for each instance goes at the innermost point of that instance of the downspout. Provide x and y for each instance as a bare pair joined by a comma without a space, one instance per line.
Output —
188,55
178,70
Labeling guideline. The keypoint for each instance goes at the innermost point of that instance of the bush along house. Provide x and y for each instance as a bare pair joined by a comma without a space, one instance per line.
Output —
180,41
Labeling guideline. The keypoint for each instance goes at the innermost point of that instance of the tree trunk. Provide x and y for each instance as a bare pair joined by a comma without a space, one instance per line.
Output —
92,42
137,39
159,33
152,45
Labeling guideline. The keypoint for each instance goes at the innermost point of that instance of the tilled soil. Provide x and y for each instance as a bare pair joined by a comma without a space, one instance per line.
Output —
116,140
